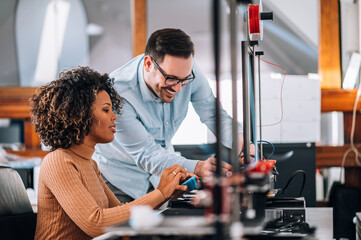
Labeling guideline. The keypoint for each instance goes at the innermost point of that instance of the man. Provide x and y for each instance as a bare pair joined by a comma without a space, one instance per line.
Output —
157,88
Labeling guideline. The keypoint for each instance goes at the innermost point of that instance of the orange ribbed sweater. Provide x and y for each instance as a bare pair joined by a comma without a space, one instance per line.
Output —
73,200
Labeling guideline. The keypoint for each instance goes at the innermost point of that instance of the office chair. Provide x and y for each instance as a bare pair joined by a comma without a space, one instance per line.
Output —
17,219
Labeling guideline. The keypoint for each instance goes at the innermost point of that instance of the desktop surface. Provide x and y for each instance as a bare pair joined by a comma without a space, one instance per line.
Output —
176,226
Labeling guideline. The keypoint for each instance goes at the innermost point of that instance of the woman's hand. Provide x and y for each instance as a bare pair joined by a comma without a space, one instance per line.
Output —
170,179
176,193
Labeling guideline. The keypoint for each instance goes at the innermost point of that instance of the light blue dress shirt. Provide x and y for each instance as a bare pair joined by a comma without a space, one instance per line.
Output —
142,146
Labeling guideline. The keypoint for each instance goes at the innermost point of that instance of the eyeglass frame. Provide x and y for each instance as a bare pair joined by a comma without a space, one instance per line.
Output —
166,77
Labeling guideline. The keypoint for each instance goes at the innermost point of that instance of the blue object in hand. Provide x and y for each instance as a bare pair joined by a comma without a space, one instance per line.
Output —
191,183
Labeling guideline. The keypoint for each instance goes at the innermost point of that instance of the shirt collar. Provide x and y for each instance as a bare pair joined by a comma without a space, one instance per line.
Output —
144,90
82,150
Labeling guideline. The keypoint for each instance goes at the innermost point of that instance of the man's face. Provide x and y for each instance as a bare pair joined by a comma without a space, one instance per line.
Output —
174,67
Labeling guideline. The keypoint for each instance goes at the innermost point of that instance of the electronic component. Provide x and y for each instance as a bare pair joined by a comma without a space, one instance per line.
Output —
191,183
285,210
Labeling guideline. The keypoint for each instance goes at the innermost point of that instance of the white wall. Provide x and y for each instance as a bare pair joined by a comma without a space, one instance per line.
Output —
301,15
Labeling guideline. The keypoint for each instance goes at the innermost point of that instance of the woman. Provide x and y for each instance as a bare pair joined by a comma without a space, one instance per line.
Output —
72,114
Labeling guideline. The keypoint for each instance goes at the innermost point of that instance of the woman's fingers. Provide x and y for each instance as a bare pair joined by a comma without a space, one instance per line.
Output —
180,169
169,182
189,175
181,187
175,169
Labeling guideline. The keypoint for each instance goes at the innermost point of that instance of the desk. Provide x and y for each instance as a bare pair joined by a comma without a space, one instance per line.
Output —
317,217
322,218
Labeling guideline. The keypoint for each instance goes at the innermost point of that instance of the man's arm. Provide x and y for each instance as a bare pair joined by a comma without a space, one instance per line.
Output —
203,102
133,138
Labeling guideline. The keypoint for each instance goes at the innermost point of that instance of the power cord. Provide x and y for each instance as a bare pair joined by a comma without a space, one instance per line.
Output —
291,178
353,147
272,146
261,141
277,226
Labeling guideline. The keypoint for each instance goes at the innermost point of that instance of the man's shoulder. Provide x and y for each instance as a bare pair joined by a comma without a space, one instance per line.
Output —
126,77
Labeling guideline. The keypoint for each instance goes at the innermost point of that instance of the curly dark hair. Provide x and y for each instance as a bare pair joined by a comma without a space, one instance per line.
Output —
62,109
170,41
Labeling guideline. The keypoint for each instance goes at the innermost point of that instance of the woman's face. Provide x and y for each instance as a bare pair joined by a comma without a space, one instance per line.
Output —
103,128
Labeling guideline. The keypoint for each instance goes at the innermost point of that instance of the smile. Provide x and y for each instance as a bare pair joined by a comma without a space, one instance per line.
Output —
170,91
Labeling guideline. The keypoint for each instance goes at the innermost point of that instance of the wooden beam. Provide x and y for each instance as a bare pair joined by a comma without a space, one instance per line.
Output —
14,111
16,93
139,25
339,100
353,177
14,104
29,153
329,66
347,127
329,156
32,140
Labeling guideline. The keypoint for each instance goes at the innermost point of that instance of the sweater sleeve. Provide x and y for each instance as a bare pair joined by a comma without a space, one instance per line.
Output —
64,180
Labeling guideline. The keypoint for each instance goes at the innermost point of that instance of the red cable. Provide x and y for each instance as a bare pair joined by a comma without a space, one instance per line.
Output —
283,81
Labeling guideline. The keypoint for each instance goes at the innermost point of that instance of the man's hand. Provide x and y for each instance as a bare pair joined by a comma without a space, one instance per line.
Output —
241,146
208,167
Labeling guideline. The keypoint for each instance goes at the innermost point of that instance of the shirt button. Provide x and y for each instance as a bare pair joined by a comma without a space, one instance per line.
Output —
166,123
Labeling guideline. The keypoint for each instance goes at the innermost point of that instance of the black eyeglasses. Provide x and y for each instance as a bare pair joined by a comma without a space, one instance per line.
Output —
171,81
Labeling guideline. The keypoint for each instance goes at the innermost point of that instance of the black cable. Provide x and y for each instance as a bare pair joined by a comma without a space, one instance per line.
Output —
290,179
275,227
